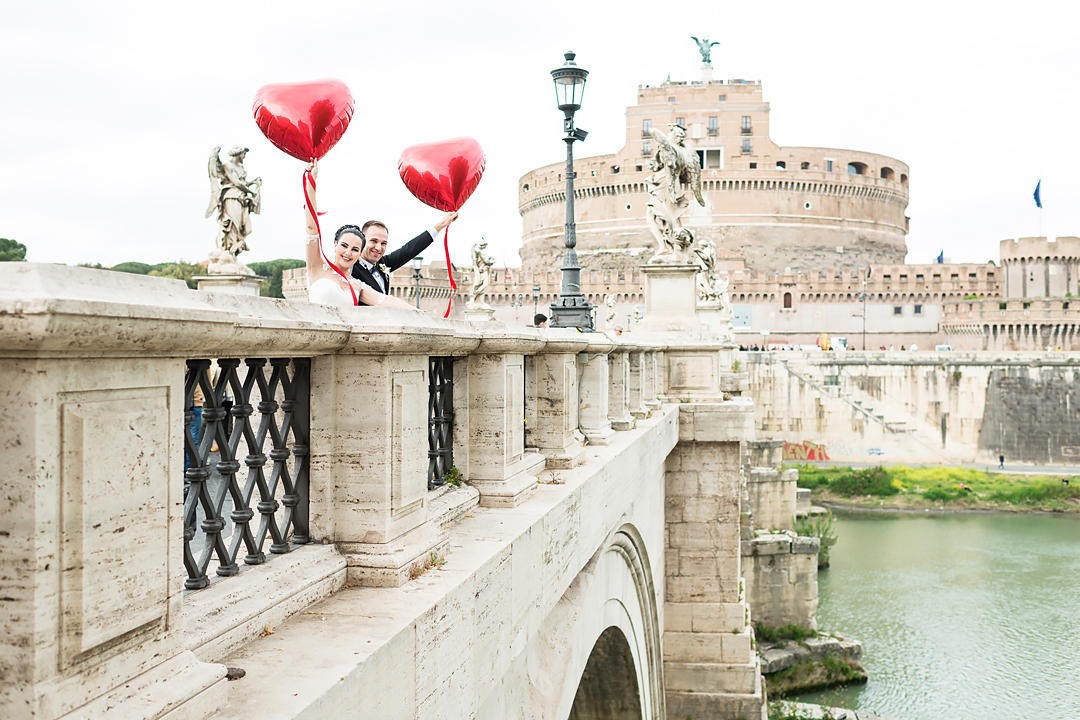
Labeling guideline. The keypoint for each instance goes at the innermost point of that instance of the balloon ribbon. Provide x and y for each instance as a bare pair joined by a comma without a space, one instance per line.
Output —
449,270
311,208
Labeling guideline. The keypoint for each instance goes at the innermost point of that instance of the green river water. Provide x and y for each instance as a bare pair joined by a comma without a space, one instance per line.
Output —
960,616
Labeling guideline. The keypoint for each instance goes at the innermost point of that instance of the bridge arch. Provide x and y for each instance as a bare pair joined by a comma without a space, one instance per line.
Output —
605,626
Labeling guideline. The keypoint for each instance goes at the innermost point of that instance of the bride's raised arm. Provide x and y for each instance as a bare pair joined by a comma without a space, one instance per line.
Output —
313,251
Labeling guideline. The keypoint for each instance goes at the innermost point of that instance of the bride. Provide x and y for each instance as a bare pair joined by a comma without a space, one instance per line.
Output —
333,285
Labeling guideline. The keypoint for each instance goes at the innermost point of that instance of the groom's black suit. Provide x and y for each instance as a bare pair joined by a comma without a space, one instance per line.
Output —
392,261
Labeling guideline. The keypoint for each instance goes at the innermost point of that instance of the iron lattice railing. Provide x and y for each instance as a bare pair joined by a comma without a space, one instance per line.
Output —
213,478
440,419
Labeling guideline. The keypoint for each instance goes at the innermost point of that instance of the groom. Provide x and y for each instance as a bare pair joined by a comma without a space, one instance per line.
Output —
375,264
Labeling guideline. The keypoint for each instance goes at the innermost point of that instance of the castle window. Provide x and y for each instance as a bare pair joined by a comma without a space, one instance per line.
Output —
903,178
897,310
680,121
714,124
526,187
671,100
828,165
746,146
806,206
919,278
781,165
856,168
956,276
646,126
903,278
637,168
753,166
886,173
918,309
973,276
723,98
747,128
990,276
787,301
804,166
646,148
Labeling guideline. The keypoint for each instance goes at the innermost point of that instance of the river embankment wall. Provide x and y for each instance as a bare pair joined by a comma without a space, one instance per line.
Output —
901,407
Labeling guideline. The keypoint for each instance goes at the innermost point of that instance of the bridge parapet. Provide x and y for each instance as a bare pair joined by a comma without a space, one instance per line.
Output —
97,410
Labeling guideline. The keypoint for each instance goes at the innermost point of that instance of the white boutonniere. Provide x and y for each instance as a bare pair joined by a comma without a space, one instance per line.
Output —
385,270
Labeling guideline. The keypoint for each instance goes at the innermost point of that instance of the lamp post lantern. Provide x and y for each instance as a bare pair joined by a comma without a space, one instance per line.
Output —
536,298
417,263
571,309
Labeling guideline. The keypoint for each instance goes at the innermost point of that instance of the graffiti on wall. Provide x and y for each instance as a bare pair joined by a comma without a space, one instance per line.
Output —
805,451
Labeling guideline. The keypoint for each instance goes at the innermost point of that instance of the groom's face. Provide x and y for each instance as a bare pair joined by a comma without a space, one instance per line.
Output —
375,247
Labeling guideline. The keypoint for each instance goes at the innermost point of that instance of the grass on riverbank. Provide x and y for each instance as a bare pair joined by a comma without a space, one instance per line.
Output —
900,486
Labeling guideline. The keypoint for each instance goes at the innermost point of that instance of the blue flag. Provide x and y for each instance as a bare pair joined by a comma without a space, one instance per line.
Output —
1038,198
941,258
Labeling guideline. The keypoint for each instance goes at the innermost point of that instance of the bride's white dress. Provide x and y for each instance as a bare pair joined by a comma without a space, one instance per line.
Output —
327,291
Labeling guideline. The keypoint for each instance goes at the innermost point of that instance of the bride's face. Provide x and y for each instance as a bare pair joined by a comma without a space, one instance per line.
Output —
347,250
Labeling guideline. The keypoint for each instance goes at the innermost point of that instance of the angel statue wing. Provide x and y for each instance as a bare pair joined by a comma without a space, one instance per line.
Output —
693,177
216,173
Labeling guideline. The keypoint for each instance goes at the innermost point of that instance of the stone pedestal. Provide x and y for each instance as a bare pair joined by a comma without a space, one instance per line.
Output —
555,432
619,390
237,284
593,394
670,299
479,313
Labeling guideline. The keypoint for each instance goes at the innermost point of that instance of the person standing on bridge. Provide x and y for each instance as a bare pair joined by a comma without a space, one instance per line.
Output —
1001,461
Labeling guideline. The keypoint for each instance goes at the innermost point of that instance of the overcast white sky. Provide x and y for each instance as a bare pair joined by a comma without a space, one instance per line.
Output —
109,109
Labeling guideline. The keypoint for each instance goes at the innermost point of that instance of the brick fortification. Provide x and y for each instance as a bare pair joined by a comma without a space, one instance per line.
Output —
768,208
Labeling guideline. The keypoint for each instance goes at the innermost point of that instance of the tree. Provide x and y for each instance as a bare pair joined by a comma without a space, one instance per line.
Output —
11,250
272,270
180,270
137,268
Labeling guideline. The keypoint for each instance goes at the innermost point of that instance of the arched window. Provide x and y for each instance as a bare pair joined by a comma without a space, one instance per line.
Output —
787,301
802,166
887,173
856,168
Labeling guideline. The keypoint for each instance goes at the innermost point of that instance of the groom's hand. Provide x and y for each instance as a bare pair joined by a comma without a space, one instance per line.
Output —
445,222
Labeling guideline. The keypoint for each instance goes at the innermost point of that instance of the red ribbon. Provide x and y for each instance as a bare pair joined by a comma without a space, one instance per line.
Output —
311,208
449,270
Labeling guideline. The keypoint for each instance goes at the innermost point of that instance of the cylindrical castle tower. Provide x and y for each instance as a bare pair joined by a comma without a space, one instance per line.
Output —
1039,267
768,207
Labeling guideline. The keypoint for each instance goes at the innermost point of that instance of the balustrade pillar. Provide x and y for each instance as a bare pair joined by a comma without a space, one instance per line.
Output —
619,390
555,433
91,548
492,392
369,449
593,392
637,384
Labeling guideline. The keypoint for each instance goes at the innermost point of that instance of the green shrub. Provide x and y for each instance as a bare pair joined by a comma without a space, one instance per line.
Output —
798,633
871,481
943,494
812,477
821,527
138,268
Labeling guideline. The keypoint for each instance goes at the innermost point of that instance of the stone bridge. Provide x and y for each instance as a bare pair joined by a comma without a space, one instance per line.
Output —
371,513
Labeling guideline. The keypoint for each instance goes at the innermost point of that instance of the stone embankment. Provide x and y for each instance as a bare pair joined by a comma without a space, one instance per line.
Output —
814,663
809,711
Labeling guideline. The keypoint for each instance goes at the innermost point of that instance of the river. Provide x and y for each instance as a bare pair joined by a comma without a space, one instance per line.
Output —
961,616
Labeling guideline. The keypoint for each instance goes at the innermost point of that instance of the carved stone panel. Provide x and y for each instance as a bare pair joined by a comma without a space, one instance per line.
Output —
408,455
114,529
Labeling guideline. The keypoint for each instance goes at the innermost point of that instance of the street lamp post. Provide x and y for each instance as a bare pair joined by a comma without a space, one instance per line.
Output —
417,263
571,309
864,314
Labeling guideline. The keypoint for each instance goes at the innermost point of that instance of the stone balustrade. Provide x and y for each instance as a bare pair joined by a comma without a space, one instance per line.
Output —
92,366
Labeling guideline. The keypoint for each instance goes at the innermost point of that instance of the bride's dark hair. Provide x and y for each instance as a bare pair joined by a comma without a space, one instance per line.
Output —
354,229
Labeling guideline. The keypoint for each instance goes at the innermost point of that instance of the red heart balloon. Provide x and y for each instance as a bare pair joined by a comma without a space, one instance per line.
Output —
304,119
442,174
